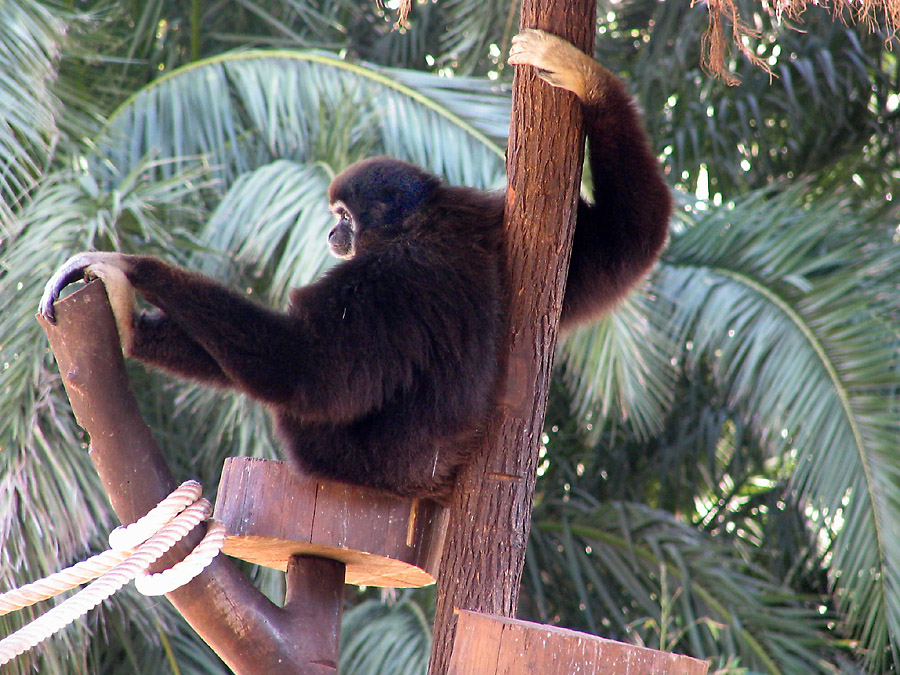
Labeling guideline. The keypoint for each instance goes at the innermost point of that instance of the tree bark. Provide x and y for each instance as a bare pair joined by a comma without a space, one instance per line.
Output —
490,511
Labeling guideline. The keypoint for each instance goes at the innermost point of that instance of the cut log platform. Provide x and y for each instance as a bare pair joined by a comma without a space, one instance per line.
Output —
273,512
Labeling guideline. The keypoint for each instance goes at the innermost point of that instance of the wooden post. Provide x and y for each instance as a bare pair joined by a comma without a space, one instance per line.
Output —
490,511
320,533
250,633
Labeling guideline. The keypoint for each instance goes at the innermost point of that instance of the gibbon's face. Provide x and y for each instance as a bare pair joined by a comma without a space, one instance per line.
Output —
342,238
375,200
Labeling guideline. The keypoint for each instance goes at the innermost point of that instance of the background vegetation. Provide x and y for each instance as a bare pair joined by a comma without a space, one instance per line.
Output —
721,466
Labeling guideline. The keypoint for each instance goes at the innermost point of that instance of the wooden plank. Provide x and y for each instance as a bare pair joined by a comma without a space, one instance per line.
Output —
501,646
481,637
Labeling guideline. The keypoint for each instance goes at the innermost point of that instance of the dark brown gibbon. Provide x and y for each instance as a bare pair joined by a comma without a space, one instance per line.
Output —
383,371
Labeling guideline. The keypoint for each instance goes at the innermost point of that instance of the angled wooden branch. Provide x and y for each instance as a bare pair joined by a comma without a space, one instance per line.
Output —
250,633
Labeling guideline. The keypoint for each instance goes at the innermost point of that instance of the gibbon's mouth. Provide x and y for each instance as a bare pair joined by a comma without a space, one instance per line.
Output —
340,242
341,249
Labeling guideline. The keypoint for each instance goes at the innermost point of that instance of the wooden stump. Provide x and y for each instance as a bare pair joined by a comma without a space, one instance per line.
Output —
272,512
493,645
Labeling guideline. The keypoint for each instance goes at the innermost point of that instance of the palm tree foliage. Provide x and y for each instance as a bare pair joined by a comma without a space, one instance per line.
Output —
807,352
392,636
720,467
643,576
30,43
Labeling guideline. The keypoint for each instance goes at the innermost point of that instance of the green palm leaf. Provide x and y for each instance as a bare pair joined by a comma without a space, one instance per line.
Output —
241,111
790,299
620,367
44,469
29,45
474,29
640,575
392,638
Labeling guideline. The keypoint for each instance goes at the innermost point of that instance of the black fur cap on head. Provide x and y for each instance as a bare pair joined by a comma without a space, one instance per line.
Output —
382,192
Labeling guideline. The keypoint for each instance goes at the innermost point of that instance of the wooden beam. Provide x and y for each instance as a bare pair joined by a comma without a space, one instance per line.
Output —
493,645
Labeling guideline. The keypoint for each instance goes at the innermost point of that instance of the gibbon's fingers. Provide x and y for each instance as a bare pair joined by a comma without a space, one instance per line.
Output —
559,63
72,270
121,297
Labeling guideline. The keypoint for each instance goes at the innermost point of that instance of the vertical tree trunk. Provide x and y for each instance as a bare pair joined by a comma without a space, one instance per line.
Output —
490,515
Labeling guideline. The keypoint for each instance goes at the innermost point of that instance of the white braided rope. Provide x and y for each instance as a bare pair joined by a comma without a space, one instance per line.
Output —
182,572
57,583
127,537
121,567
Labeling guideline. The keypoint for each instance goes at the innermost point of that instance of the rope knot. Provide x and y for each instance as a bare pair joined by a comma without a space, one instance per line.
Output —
133,549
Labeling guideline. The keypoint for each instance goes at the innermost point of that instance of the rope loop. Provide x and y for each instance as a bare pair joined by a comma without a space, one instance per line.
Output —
133,549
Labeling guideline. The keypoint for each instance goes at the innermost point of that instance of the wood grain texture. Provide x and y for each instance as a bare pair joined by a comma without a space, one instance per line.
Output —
490,510
493,645
272,512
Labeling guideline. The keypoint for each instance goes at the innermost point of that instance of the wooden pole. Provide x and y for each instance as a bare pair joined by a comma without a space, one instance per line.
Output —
250,633
490,511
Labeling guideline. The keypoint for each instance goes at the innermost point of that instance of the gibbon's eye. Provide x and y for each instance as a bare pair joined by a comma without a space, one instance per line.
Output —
342,214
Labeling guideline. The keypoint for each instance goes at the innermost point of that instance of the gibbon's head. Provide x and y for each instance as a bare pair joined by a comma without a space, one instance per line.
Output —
374,199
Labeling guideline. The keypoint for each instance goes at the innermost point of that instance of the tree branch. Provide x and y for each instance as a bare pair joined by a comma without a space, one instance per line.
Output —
250,633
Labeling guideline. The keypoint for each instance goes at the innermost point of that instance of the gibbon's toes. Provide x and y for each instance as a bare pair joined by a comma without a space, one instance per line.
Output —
528,48
72,270
560,63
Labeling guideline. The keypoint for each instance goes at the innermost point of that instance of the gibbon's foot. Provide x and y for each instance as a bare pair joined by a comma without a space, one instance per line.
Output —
109,268
559,63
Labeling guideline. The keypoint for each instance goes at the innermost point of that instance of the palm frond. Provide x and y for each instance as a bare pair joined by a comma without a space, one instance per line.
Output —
789,299
620,367
245,110
828,97
474,29
392,638
44,468
272,219
30,37
638,574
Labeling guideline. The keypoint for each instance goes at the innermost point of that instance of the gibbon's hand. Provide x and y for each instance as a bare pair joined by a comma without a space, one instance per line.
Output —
111,269
559,63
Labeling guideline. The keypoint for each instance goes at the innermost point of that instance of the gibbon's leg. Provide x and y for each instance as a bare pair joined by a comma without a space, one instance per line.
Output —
160,342
121,299
618,237
259,351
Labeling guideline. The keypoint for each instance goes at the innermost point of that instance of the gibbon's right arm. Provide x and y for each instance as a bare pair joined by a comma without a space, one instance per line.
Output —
620,235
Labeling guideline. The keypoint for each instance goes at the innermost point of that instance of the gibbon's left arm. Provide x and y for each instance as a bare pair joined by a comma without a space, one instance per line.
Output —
620,235
336,357
150,337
